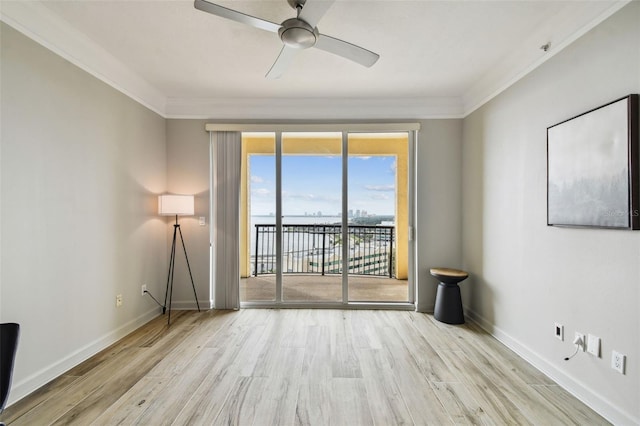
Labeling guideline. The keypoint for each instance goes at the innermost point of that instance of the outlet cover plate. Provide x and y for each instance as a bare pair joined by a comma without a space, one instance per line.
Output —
593,345
618,361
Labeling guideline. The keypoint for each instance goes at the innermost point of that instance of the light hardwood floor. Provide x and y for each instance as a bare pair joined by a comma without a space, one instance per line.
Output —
303,367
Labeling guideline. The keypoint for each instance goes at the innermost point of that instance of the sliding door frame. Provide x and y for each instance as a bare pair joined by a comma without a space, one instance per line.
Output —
345,129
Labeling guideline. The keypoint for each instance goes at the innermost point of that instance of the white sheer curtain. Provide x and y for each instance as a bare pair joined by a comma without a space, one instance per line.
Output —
226,153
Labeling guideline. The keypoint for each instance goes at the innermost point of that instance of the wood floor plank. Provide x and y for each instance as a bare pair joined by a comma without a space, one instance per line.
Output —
314,403
295,321
207,401
277,405
344,361
349,402
429,361
133,403
514,388
166,404
579,413
435,332
48,391
495,350
240,407
460,404
138,338
487,393
281,362
364,325
388,406
57,406
423,404
316,364
210,397
125,375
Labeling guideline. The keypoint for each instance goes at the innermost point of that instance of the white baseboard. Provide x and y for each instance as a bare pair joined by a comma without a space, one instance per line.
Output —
595,401
40,378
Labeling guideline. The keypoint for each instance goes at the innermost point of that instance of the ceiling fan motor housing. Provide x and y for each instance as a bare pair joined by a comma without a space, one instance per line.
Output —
298,34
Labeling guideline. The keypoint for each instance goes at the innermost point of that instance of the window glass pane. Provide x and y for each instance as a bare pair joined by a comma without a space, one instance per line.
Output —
311,209
258,259
378,215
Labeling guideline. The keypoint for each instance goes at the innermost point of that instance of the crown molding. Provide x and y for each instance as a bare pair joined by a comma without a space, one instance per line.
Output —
44,27
530,56
315,108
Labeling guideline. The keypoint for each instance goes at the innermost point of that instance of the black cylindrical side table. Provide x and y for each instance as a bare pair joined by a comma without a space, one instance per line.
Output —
448,307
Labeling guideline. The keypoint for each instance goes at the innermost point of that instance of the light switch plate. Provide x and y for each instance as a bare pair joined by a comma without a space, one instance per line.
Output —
593,345
202,221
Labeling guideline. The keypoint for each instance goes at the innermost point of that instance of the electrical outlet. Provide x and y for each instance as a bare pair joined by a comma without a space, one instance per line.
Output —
144,289
118,300
559,330
593,345
578,340
618,361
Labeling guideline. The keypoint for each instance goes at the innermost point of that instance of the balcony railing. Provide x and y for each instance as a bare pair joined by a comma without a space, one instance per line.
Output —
317,249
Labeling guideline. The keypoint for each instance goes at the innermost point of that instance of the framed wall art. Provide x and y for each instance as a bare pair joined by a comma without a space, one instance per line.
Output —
593,177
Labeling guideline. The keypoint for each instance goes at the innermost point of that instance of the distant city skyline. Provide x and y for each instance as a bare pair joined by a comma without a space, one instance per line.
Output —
312,184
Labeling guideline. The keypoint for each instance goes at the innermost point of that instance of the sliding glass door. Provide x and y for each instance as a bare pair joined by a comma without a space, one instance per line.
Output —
326,218
311,217
378,211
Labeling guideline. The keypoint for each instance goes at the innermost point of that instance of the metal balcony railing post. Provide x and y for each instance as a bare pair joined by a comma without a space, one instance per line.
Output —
391,255
323,246
256,258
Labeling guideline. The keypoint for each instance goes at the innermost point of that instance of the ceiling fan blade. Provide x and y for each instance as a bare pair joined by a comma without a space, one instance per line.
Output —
314,10
234,15
347,50
282,63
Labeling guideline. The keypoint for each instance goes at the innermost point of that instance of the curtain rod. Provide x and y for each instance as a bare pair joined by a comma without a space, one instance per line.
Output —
336,127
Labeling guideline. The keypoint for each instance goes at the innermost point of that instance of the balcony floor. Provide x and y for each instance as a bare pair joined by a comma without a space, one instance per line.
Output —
327,288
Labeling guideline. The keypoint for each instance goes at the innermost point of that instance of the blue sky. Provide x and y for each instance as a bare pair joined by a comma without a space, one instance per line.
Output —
312,183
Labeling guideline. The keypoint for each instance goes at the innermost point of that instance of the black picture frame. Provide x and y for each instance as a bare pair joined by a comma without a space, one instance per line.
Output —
593,175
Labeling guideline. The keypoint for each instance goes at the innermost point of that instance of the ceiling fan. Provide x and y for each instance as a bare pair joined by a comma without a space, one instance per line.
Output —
296,33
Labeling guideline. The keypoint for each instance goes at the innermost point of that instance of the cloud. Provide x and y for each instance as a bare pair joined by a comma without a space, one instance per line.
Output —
379,196
261,192
363,157
309,197
387,188
256,179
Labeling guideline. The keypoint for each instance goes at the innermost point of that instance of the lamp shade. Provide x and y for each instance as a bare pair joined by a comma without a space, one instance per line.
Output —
172,205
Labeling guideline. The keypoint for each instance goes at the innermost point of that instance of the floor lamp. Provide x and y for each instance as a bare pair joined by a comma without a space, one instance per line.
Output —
176,205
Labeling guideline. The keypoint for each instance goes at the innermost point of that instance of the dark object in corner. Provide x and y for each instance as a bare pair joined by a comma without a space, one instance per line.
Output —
9,333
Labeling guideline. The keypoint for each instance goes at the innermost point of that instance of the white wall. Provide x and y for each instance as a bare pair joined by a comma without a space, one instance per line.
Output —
439,204
525,275
80,167
188,173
